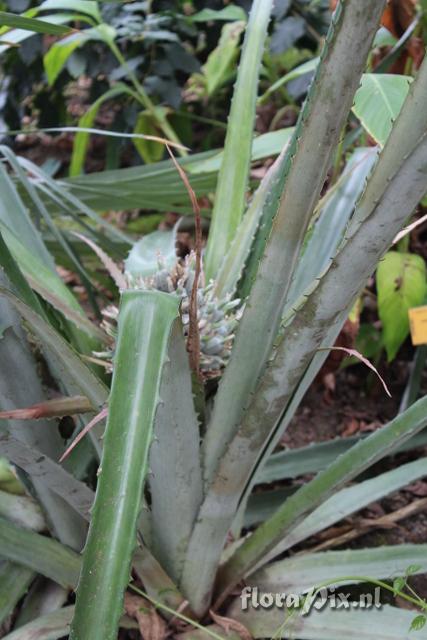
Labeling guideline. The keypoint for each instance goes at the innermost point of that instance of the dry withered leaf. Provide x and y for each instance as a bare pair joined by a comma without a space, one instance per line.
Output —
418,488
352,427
229,624
151,625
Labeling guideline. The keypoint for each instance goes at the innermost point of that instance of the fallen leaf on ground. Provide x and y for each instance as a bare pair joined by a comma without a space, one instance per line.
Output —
151,625
229,624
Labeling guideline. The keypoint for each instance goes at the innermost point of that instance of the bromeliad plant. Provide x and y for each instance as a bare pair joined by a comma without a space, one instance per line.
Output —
180,457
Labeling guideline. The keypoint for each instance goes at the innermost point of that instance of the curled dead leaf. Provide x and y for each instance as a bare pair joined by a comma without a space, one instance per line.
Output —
151,625
359,356
229,624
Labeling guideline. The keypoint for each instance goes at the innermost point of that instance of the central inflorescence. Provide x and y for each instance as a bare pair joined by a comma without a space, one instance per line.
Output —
217,317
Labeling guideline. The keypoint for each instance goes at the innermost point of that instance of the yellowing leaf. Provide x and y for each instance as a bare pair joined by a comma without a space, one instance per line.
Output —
148,150
401,285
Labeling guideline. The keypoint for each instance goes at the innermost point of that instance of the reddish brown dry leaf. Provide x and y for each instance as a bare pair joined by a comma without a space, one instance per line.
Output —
100,416
405,12
56,408
363,525
193,340
228,624
356,354
346,338
418,489
368,427
108,263
352,427
151,625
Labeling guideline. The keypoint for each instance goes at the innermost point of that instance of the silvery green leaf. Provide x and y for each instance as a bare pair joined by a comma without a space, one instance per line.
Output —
143,258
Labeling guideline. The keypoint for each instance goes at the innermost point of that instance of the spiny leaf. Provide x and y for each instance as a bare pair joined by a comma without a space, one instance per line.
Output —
108,263
145,319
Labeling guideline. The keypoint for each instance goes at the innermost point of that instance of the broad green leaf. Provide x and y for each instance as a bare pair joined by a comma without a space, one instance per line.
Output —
14,583
16,216
54,625
418,623
41,213
386,623
176,484
43,555
292,463
231,12
303,572
145,322
233,177
56,58
157,583
75,375
351,499
379,101
156,187
15,279
24,511
147,254
263,146
149,150
66,201
326,234
301,70
8,480
401,285
239,251
89,7
104,32
32,24
51,626
81,140
16,36
221,62
384,38
407,131
48,473
49,285
30,13
20,386
23,227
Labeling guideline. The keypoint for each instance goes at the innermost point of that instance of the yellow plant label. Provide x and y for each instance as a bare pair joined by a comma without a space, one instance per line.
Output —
418,324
